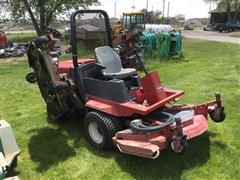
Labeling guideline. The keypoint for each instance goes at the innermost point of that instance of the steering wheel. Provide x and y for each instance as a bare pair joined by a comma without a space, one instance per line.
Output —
139,52
140,57
133,51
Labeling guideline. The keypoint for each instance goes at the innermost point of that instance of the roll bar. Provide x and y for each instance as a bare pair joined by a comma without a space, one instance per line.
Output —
74,36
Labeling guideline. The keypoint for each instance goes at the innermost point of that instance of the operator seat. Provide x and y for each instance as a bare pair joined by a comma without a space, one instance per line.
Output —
108,58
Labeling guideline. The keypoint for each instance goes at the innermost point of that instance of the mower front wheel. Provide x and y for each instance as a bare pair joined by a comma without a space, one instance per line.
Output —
177,149
178,143
100,128
31,77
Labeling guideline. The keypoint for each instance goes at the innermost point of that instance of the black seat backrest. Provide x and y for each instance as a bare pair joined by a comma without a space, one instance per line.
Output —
108,58
90,70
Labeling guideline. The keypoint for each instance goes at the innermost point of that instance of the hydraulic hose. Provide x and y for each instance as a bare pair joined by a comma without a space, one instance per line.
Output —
138,126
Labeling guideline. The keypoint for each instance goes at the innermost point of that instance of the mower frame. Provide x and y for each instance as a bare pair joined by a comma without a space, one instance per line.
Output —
118,117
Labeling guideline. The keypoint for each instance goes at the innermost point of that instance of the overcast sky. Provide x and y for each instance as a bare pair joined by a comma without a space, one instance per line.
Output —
190,8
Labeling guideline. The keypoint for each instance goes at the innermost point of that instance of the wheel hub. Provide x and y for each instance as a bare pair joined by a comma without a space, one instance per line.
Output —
95,132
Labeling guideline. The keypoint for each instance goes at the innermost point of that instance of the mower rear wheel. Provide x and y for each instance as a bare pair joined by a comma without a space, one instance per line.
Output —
100,128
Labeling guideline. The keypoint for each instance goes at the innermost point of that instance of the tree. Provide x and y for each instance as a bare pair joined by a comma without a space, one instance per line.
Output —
152,17
43,12
180,19
229,6
210,2
237,8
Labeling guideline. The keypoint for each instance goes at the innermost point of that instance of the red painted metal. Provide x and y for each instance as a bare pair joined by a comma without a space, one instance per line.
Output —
3,39
64,67
146,145
130,108
152,88
150,97
140,96
202,109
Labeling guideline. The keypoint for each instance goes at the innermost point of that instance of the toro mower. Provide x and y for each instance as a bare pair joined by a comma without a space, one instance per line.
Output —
136,115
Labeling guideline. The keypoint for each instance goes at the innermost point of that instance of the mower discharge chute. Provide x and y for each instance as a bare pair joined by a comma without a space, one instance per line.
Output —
137,115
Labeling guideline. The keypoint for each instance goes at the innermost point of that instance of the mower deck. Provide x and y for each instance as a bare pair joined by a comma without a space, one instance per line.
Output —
150,144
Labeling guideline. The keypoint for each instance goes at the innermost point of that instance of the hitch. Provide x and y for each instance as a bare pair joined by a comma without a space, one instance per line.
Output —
218,114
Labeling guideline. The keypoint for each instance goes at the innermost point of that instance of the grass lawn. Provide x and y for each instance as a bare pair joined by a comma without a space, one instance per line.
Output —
235,35
21,37
61,151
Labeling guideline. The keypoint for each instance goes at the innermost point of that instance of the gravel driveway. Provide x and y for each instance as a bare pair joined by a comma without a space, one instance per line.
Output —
211,36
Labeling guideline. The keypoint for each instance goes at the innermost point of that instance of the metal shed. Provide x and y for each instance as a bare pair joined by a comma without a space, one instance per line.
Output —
90,33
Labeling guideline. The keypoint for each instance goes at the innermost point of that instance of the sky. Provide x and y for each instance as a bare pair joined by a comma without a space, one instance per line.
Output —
190,8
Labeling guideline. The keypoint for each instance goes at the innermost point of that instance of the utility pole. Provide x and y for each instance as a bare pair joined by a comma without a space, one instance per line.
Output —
133,6
168,9
147,7
115,9
163,8
146,13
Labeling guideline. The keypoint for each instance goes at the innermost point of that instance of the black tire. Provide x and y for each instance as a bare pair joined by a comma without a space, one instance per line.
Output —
179,150
31,77
42,40
13,165
107,127
220,118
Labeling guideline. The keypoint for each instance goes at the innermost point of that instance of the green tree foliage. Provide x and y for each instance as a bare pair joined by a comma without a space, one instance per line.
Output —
153,17
43,12
180,19
229,6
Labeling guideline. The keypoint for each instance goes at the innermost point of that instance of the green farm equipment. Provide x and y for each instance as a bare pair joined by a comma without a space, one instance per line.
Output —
9,149
164,45
133,32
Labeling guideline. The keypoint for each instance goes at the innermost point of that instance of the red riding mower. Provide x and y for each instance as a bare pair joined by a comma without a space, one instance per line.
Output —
137,115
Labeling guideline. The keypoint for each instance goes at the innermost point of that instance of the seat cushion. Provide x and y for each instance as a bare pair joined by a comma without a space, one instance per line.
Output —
126,72
107,57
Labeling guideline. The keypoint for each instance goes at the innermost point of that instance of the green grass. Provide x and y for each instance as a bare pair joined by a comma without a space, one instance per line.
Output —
21,37
235,35
61,151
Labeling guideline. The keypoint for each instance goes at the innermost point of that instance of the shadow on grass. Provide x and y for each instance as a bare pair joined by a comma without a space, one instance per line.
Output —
168,165
49,146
